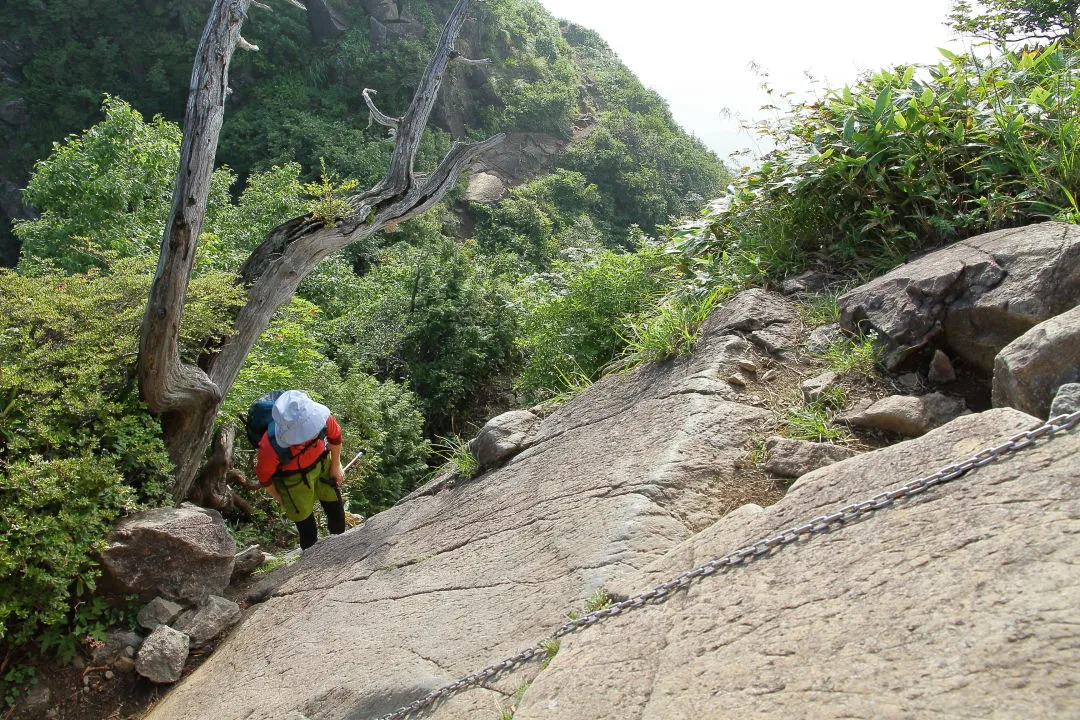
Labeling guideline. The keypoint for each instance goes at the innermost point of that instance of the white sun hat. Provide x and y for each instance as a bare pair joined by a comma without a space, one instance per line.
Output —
298,418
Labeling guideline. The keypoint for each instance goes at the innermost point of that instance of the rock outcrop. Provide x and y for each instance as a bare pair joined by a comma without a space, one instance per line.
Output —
183,554
975,296
1028,372
958,603
451,580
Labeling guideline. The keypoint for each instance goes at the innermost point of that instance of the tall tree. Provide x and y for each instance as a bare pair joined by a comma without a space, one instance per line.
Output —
187,397
1016,21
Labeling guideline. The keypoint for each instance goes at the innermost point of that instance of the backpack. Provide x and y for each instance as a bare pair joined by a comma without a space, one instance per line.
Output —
260,419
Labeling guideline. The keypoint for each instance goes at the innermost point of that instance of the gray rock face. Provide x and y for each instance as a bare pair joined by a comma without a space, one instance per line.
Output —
182,553
484,188
982,293
1028,372
163,654
766,318
158,611
794,458
960,604
457,578
503,437
1067,400
907,414
212,618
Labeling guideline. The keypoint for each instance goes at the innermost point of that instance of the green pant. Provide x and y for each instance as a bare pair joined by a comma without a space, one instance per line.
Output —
299,490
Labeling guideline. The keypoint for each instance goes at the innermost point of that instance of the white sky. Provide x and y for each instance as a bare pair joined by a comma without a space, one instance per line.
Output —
697,53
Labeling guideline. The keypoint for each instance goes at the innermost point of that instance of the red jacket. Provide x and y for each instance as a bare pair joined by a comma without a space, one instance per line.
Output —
267,463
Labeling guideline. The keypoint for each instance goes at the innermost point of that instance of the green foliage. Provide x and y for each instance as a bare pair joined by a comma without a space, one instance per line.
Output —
904,161
571,315
106,194
813,421
108,189
539,219
382,420
435,316
455,452
551,647
78,447
1005,21
859,356
667,331
329,195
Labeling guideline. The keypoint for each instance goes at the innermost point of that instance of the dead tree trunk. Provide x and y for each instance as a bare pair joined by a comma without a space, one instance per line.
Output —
188,397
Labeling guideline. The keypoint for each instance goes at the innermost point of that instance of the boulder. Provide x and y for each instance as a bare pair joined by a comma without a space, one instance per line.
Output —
484,188
1067,400
158,611
794,458
184,554
212,618
979,294
1030,369
907,414
458,577
959,603
163,654
823,337
503,437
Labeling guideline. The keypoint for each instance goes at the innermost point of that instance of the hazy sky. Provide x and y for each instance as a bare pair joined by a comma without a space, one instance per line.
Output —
697,53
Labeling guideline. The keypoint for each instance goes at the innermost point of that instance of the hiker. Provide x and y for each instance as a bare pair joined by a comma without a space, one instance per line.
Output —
299,460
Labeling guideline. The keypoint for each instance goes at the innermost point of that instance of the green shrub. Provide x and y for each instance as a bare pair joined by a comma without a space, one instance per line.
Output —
667,331
382,420
571,315
903,161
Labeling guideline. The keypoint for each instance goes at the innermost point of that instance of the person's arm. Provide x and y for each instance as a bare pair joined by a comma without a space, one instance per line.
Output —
333,440
265,465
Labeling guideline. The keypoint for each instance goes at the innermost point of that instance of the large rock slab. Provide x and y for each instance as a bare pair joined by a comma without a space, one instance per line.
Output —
458,577
183,554
1029,371
963,602
979,294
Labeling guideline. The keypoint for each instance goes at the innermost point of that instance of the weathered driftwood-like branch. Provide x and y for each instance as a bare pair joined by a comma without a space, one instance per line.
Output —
167,384
458,57
299,4
188,397
376,114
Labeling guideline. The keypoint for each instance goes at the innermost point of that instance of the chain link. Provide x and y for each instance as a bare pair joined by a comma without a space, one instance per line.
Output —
751,552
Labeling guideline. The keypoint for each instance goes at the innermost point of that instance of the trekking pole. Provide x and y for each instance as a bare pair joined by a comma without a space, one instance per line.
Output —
351,462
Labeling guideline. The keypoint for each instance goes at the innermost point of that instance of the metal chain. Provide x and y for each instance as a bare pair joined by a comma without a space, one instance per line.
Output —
751,552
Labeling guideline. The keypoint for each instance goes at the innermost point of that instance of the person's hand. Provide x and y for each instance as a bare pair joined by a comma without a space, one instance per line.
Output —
337,476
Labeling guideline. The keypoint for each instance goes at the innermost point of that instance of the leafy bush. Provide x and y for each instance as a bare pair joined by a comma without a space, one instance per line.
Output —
667,331
570,316
381,419
905,160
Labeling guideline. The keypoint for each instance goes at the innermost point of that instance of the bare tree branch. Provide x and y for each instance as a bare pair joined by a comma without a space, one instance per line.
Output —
376,114
458,57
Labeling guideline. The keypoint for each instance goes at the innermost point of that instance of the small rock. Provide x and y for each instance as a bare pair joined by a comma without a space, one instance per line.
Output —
909,415
117,643
909,381
1066,401
748,366
770,375
36,700
737,380
163,654
941,369
158,611
109,674
815,387
807,282
794,458
823,337
246,561
124,665
212,618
